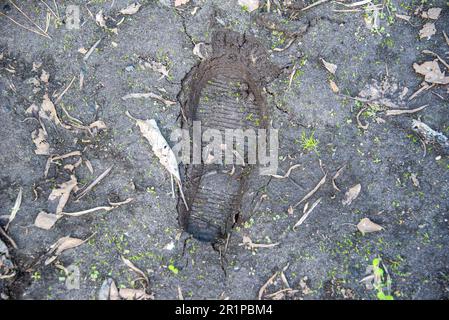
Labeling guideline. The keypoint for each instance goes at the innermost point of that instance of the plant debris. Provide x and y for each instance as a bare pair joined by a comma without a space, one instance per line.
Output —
306,213
351,194
315,189
247,242
131,9
152,95
432,13
160,147
427,31
63,244
249,5
431,72
14,209
59,196
332,68
367,226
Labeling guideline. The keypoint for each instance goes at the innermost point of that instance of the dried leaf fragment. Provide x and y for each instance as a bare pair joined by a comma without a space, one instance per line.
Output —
249,5
431,72
351,194
15,209
333,86
63,244
366,226
39,137
131,9
46,220
432,13
180,2
59,196
332,68
427,30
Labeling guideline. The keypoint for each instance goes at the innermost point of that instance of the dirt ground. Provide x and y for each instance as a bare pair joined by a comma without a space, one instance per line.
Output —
404,188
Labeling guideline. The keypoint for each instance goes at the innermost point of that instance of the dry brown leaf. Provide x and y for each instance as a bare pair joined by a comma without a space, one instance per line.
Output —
48,111
98,125
431,72
59,196
100,19
334,86
63,244
46,220
134,294
14,209
432,13
160,147
197,50
39,137
180,2
158,67
366,226
108,290
250,5
427,30
352,194
130,265
131,9
332,68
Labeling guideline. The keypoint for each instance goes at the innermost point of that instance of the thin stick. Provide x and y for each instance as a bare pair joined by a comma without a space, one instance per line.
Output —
49,8
57,9
26,16
65,90
3,233
91,50
314,5
93,183
26,28
312,192
182,194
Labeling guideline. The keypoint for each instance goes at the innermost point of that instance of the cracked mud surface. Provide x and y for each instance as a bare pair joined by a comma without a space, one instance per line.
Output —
327,248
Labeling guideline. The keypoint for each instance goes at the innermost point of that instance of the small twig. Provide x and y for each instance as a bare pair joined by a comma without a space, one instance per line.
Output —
64,92
49,8
306,214
27,17
91,50
403,111
4,234
359,123
22,26
93,183
314,5
312,192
